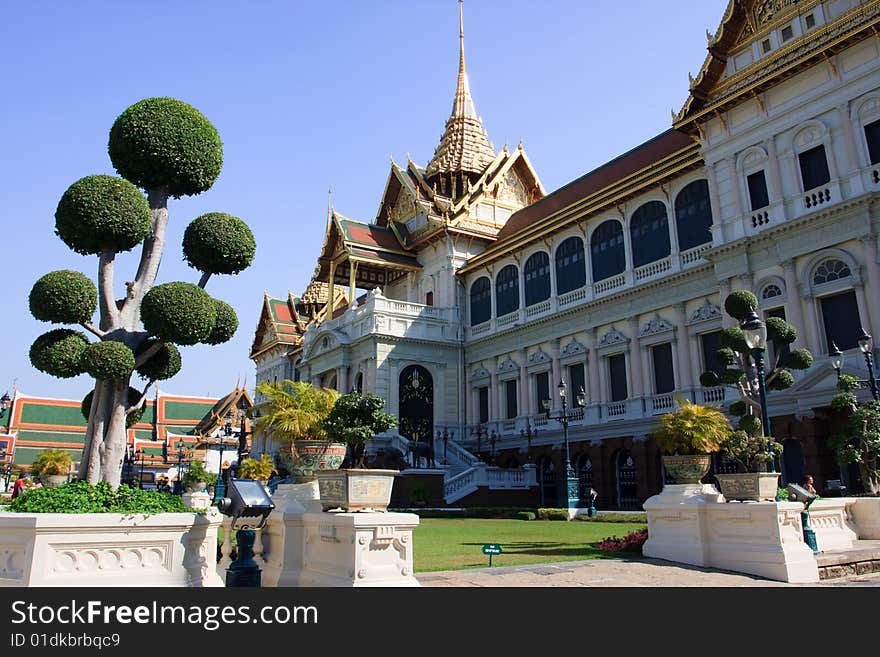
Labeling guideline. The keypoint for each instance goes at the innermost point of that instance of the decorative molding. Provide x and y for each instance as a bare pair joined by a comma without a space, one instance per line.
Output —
572,349
480,373
705,312
539,357
612,336
507,366
656,325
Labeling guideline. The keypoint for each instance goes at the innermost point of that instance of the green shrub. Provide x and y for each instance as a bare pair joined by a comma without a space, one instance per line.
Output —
783,380
225,325
738,408
51,462
59,352
799,359
731,377
108,360
525,515
615,517
218,243
82,497
64,297
733,338
751,424
553,514
182,313
738,304
102,212
709,380
780,331
164,364
164,143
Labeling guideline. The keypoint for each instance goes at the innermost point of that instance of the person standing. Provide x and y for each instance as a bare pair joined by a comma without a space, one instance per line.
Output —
19,485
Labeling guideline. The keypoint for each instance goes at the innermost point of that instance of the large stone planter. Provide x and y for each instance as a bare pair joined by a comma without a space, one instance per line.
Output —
688,468
312,456
109,549
355,490
54,481
865,514
749,486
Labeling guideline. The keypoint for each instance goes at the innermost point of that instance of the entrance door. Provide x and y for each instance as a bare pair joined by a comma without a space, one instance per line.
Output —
416,403
547,483
792,462
627,497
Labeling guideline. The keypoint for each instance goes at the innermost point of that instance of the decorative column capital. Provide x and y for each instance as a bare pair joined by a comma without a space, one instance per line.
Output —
788,266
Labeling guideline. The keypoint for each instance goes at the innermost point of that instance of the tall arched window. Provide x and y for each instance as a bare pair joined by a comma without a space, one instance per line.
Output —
537,278
571,270
649,233
693,215
606,248
481,302
507,290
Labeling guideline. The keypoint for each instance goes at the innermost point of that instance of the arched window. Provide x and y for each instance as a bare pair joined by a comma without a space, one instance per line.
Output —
537,278
770,291
649,233
429,299
481,302
571,270
507,290
606,248
693,215
829,270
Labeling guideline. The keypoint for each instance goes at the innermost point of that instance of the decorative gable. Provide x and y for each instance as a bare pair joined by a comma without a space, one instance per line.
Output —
480,373
507,366
705,312
656,325
539,357
612,336
573,348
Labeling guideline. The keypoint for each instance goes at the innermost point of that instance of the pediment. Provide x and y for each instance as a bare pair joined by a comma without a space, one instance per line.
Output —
480,373
573,348
612,336
507,366
539,357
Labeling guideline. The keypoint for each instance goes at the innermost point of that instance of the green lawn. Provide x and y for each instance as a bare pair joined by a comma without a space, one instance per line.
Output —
456,543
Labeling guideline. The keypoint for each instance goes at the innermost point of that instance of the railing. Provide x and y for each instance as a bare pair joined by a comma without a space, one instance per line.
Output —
615,410
412,308
539,420
610,284
479,329
506,477
817,197
460,485
571,297
713,395
460,454
508,425
760,218
652,269
662,404
509,318
538,308
875,175
691,256
494,478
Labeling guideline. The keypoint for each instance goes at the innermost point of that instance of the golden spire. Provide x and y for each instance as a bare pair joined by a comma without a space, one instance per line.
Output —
464,146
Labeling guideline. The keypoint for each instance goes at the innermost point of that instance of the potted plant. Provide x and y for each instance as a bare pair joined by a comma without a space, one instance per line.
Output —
293,413
751,452
261,469
196,478
686,438
355,419
52,466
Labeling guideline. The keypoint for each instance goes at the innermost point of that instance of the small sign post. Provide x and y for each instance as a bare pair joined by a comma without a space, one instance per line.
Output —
491,549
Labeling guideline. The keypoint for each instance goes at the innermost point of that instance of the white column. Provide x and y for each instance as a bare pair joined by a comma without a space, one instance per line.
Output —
793,310
676,375
683,348
849,140
637,384
869,244
494,394
726,320
774,178
811,320
523,383
556,374
714,204
595,388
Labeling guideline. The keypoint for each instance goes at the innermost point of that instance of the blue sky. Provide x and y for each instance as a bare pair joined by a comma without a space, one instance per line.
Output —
307,96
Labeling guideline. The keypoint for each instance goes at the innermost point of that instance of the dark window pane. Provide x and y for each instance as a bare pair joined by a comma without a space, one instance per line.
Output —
606,247
510,391
483,395
576,381
758,190
537,278
664,381
429,299
617,374
571,270
872,136
784,349
711,343
649,230
814,167
843,326
507,290
542,389
481,302
693,215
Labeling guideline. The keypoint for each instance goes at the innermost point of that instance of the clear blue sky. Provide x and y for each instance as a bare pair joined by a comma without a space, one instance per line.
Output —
307,96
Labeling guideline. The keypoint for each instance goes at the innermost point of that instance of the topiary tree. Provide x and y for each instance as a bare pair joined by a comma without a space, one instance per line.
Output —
740,372
859,441
168,149
356,418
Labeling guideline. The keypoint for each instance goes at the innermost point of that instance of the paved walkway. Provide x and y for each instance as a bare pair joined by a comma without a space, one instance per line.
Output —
614,572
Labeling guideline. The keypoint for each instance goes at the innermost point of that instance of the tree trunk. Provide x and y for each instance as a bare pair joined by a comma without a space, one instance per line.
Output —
870,476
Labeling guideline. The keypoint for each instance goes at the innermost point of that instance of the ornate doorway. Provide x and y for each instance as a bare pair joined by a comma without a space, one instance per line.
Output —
625,469
792,462
416,403
585,479
547,481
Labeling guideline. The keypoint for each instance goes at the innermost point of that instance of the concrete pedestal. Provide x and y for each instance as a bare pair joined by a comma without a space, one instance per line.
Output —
692,524
197,501
283,536
828,518
358,549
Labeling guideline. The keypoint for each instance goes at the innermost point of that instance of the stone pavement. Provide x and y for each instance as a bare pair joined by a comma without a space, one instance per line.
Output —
615,572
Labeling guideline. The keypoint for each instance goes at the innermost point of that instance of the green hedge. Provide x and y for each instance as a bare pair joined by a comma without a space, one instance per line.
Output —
82,497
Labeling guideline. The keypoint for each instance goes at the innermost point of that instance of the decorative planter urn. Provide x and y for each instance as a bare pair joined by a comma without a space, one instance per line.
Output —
688,468
755,486
54,481
312,456
355,490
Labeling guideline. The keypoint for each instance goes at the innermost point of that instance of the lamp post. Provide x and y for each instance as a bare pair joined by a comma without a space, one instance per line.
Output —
141,457
479,432
569,498
220,486
493,439
867,349
178,483
836,357
755,332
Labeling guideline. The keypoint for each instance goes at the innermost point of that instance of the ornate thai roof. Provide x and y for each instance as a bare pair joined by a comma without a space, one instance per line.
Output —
464,146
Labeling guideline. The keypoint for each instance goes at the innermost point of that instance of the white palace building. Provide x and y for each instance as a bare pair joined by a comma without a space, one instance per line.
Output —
473,292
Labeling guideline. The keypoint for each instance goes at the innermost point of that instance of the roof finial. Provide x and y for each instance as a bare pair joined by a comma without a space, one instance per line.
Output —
329,206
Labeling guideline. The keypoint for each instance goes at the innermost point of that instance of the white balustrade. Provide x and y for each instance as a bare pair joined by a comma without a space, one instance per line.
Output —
662,404
479,329
615,410
538,308
507,319
652,269
572,297
610,284
817,197
694,255
713,395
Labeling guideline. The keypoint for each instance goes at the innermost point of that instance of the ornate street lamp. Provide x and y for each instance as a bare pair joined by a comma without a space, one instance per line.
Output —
868,350
226,432
528,433
493,439
178,483
569,497
755,333
836,357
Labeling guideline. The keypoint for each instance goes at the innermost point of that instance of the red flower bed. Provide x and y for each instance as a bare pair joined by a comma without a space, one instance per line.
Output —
632,542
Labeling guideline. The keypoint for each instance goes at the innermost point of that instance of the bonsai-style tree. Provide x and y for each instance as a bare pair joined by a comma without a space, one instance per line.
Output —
168,149
197,474
355,419
691,429
741,373
750,453
293,410
859,442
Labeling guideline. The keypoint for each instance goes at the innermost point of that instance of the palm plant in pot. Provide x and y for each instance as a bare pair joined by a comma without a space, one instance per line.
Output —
752,453
260,469
293,414
52,466
687,437
356,418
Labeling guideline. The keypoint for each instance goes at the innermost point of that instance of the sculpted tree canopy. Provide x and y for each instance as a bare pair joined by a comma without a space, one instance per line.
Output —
168,149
